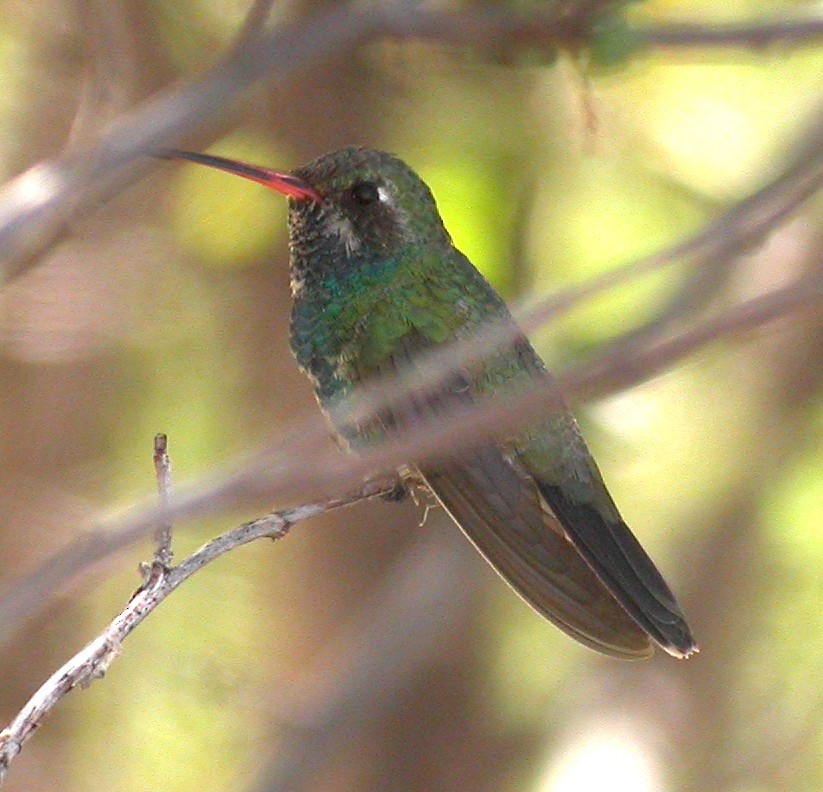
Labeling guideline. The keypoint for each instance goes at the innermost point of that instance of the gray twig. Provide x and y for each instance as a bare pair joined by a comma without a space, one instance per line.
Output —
92,662
163,553
36,206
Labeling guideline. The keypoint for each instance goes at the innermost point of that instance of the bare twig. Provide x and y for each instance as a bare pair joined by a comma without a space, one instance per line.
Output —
461,428
93,661
736,231
491,28
162,536
610,372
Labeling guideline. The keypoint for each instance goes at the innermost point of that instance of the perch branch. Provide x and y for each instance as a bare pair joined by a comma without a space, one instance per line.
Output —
462,429
92,662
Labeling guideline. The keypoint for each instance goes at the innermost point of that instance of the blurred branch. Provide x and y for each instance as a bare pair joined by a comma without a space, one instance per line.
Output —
301,462
713,251
753,35
254,24
619,367
573,24
92,662
462,428
36,207
616,368
734,233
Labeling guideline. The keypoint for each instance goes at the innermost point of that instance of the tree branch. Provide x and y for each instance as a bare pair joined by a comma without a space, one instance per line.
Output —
463,428
92,662
162,535
36,207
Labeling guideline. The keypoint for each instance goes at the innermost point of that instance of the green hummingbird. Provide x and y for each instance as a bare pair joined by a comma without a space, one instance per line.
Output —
376,281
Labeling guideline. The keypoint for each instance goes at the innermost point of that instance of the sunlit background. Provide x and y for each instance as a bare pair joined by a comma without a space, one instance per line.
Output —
167,310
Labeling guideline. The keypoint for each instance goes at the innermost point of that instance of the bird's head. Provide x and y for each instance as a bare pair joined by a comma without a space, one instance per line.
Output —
351,207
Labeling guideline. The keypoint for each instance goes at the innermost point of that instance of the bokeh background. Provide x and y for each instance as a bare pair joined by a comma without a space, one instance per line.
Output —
368,651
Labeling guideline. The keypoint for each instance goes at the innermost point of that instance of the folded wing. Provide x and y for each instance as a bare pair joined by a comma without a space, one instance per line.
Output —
501,512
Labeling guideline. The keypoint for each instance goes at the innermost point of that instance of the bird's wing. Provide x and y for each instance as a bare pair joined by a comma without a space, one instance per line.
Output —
554,455
501,512
619,560
586,574
499,507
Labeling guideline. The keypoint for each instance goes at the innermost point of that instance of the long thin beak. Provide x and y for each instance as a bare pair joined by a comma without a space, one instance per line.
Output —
284,183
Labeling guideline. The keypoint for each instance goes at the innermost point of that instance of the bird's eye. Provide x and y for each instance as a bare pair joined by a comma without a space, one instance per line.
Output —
365,193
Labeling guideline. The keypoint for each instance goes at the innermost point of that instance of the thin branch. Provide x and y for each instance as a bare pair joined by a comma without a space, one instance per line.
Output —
734,233
490,29
737,230
617,368
36,206
463,428
92,662
162,536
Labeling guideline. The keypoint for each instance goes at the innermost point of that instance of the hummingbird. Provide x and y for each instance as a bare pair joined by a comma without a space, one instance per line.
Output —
377,281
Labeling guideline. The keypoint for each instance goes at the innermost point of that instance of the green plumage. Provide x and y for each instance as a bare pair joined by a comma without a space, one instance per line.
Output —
376,280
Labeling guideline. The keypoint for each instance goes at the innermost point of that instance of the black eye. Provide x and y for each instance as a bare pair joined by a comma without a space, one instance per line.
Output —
365,193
